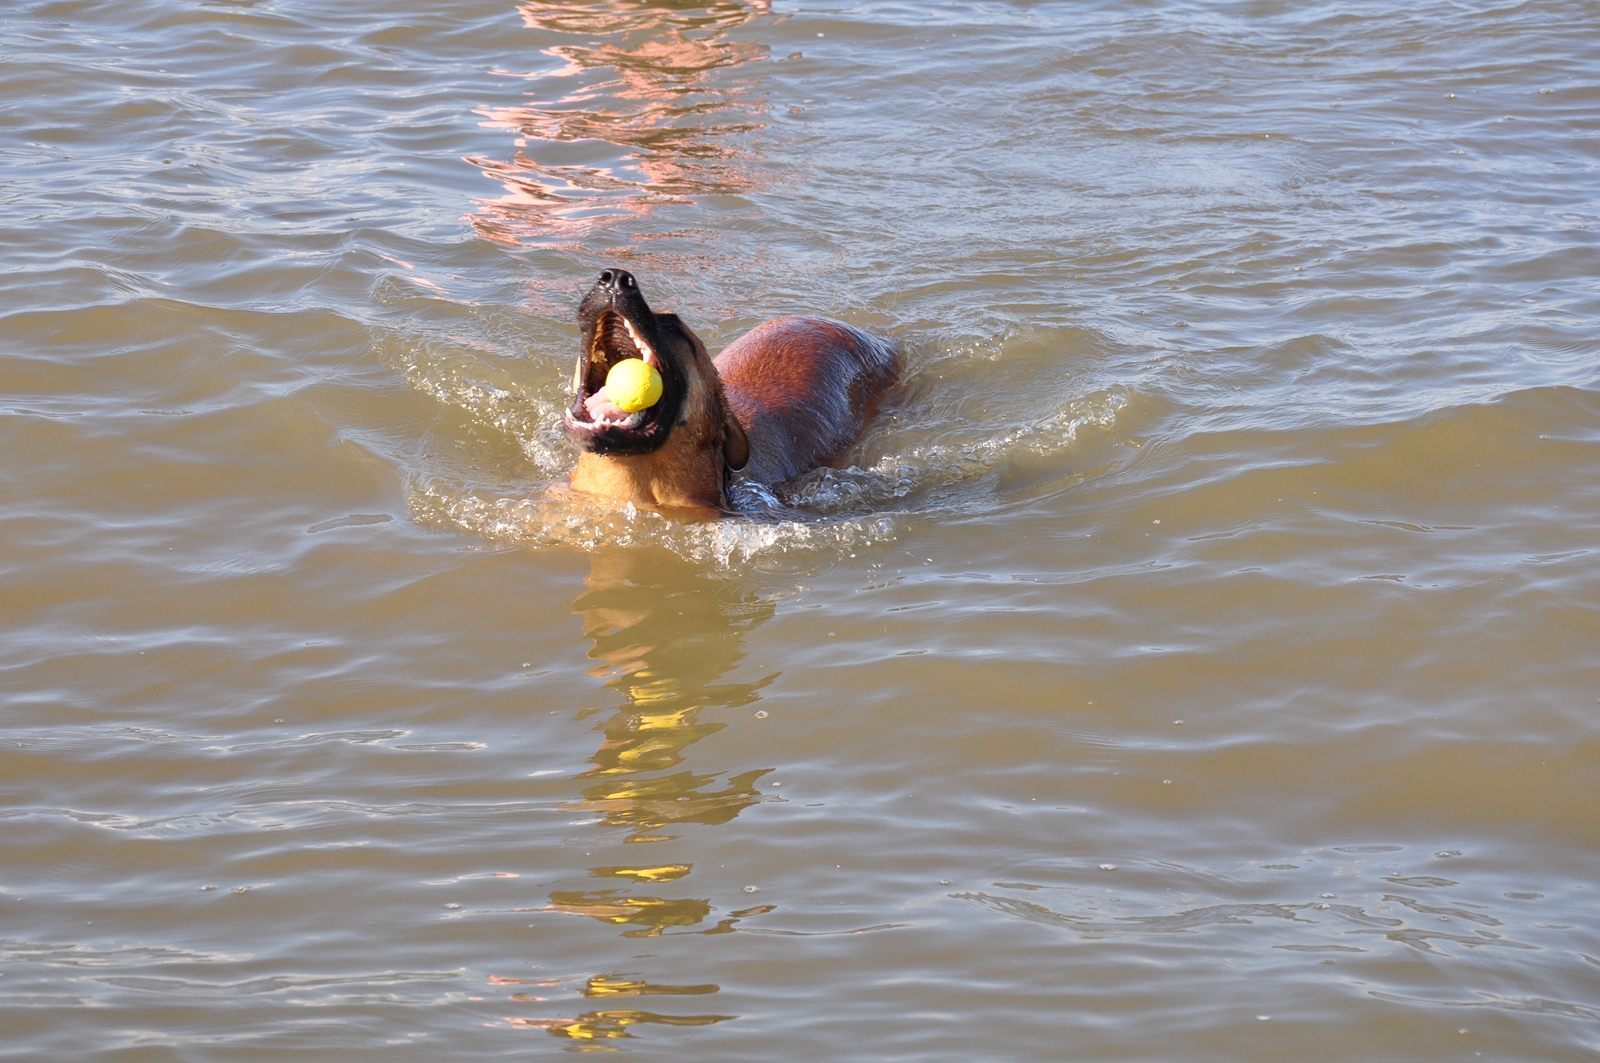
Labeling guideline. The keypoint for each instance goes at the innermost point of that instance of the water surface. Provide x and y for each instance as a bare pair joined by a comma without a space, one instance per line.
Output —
1196,660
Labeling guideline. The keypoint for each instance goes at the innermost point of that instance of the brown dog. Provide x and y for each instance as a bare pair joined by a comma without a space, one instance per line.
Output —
786,397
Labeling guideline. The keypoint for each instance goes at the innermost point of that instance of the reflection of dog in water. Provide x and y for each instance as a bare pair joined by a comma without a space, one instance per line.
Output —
786,397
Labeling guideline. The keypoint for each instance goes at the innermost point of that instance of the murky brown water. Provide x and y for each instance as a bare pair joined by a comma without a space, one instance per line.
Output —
1198,660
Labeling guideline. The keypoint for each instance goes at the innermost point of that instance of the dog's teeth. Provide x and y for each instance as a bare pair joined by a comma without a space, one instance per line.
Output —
638,341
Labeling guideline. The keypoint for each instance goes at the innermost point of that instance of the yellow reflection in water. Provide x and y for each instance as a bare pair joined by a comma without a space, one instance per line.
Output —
641,82
663,873
592,1025
648,741
604,986
643,806
651,915
663,635
613,1022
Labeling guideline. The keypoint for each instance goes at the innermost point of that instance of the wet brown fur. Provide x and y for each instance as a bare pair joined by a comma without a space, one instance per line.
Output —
688,471
803,388
790,395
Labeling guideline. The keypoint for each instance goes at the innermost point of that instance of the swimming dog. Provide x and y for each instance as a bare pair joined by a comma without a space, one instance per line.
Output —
788,396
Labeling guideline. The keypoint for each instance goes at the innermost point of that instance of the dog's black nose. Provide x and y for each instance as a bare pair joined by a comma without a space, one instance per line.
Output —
616,278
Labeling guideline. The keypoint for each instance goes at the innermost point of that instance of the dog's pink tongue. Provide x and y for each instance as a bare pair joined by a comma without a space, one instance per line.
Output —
601,408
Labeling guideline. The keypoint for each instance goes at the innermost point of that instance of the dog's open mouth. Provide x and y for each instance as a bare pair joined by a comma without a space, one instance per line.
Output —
597,421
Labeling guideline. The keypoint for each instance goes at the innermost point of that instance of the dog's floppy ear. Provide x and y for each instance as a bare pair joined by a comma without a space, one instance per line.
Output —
735,444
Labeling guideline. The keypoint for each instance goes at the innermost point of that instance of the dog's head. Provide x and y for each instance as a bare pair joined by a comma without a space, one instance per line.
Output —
617,325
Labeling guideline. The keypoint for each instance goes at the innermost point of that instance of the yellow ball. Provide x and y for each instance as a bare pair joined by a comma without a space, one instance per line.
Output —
633,385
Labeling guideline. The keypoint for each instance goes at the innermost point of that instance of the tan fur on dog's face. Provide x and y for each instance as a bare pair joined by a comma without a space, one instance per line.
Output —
689,469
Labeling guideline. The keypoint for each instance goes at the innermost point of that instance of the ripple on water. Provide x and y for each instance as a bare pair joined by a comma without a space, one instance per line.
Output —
1367,917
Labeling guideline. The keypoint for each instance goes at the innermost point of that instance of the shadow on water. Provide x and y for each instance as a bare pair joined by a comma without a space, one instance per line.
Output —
662,636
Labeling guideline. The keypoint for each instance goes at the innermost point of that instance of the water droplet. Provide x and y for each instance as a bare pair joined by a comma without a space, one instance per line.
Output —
1166,782
761,714
452,906
752,889
944,882
1108,867
207,889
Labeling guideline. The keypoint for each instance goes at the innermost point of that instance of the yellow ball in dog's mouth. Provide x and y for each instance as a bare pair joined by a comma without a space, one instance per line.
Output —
633,385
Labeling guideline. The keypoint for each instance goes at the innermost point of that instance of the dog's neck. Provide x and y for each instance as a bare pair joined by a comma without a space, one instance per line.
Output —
685,473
